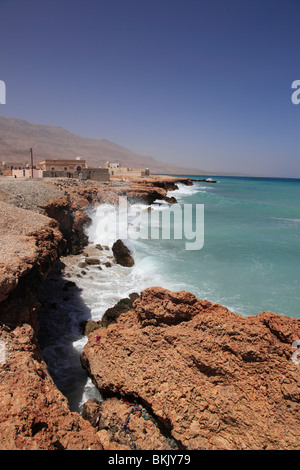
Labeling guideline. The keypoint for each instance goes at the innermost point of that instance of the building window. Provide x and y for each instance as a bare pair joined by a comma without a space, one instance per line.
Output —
52,168
66,168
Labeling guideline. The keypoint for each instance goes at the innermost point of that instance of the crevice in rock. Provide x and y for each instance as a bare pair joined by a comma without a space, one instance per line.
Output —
147,413
60,316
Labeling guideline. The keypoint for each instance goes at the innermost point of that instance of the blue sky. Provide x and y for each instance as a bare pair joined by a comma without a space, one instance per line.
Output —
203,84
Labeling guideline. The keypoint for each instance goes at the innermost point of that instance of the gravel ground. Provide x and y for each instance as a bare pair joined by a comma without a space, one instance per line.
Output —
28,194
15,225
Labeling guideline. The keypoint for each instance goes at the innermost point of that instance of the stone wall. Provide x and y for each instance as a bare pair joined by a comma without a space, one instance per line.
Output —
97,174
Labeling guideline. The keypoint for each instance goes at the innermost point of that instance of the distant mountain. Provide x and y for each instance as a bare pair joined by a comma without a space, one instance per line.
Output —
18,136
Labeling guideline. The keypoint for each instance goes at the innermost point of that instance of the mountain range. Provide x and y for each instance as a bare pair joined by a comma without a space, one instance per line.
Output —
18,136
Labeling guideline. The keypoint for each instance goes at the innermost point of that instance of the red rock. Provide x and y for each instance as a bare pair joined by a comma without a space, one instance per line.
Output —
34,415
125,426
122,254
216,379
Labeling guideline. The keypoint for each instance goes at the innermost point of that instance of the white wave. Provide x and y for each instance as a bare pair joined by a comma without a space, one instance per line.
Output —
286,219
184,190
117,281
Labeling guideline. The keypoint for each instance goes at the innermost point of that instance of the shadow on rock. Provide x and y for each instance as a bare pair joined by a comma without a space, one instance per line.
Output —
61,314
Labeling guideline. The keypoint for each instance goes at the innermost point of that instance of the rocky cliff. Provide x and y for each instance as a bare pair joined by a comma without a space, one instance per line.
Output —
33,414
39,222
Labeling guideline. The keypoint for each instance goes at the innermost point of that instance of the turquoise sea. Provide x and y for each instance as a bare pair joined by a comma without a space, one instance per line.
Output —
250,260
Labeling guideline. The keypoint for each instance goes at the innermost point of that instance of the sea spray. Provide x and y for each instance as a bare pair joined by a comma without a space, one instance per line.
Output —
178,221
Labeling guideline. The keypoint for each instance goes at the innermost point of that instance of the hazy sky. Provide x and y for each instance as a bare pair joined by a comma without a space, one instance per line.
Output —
201,83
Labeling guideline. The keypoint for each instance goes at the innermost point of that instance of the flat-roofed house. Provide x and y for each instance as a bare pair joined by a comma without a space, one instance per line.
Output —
62,165
56,168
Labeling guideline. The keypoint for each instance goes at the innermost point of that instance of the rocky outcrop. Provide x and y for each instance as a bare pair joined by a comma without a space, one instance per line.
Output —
30,243
170,183
122,254
124,305
143,193
71,222
204,180
213,378
152,188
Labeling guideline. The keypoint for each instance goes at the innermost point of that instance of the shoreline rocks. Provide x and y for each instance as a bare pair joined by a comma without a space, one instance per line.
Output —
122,254
36,232
111,315
215,379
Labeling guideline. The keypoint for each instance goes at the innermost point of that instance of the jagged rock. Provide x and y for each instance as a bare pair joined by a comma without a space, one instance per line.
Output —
79,238
153,188
122,254
124,305
215,379
30,244
111,315
91,410
128,424
171,200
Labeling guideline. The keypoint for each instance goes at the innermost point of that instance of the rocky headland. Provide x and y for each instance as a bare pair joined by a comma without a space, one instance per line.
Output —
176,372
212,378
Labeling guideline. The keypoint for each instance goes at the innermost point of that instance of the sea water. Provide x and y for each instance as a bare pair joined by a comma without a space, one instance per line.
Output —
249,263
250,258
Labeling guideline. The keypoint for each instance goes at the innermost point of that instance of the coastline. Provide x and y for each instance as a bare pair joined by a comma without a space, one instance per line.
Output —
42,221
55,228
